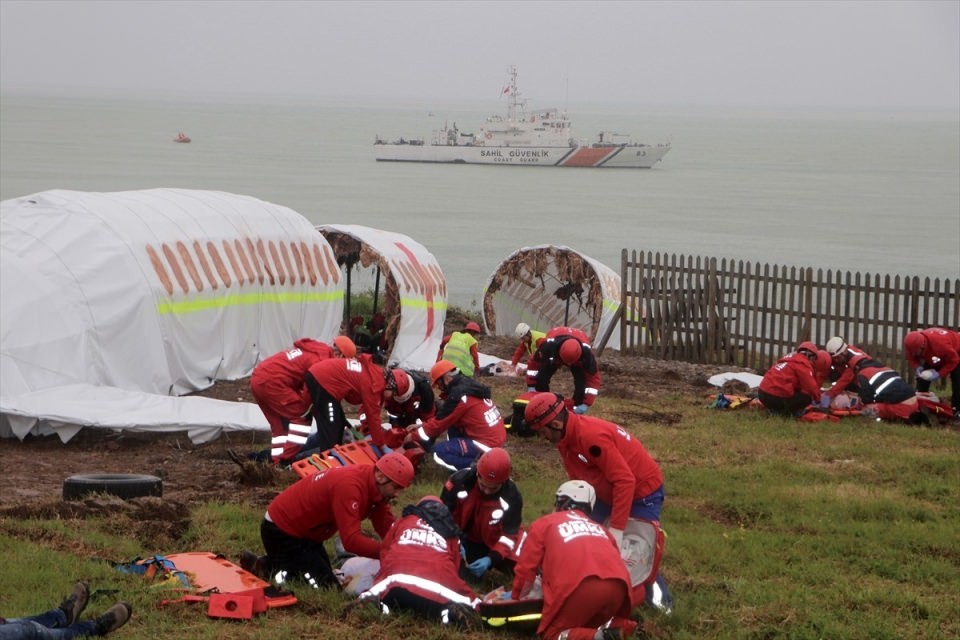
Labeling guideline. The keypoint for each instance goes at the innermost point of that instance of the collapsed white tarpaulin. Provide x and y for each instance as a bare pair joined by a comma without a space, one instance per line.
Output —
416,291
548,286
113,302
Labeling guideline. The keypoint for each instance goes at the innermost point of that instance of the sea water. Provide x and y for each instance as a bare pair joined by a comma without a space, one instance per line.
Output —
856,190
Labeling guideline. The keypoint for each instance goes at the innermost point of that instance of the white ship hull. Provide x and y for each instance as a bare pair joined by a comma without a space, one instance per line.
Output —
529,138
625,156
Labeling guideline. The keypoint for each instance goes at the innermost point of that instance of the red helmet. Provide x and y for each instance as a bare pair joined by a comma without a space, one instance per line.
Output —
542,409
401,383
397,468
440,369
914,343
807,346
494,466
822,366
346,346
472,326
570,351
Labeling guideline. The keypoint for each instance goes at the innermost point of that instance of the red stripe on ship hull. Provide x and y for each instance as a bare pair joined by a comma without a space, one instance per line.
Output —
587,157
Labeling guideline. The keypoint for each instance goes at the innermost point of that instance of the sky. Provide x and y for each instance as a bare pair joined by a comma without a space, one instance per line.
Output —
872,54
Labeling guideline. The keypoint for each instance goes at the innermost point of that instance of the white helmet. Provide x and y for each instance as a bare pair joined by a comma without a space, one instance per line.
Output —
522,329
835,346
575,494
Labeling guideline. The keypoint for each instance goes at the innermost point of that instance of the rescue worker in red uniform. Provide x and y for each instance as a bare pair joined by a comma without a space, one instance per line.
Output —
935,353
842,373
486,504
627,480
566,346
586,588
460,348
278,385
314,508
358,381
790,386
467,413
408,399
884,393
419,563
529,341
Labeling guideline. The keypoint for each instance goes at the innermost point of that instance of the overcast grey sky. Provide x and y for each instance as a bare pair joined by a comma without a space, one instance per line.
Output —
883,54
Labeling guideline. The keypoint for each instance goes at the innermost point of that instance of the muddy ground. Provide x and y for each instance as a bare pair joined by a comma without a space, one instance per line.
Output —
33,471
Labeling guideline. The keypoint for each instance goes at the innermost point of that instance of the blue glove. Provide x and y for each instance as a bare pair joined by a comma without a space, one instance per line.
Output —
580,409
930,375
479,566
531,389
463,553
825,401
918,371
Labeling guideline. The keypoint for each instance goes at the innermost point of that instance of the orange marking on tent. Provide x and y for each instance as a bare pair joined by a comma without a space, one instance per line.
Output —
587,157
411,276
245,261
305,254
237,268
432,278
191,267
262,252
160,270
204,264
278,263
429,292
175,267
331,263
440,278
298,261
318,259
252,254
398,270
218,265
285,256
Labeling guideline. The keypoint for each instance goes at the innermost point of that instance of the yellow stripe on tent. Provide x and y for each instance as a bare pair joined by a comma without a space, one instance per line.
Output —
194,306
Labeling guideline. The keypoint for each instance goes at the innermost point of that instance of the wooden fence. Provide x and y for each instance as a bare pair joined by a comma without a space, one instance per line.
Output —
704,310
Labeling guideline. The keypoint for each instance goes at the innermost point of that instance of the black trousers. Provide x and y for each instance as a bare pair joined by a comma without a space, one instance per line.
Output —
792,406
290,558
924,385
331,420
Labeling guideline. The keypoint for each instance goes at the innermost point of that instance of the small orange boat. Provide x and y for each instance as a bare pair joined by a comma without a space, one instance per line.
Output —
182,137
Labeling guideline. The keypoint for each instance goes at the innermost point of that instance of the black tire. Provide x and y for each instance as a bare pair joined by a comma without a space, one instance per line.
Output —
122,485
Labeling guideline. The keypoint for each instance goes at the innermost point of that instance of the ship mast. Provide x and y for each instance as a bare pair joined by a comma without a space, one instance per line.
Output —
514,95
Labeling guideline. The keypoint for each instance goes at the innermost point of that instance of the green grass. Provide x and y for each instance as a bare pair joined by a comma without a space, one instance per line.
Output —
776,529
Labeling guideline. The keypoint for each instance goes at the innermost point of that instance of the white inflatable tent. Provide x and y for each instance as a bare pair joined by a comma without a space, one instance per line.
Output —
415,289
114,304
548,286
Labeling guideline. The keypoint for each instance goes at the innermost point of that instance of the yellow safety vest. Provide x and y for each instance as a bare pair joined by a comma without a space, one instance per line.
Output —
457,351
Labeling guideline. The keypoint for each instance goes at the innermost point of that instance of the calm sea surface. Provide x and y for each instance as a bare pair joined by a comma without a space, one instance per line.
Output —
877,192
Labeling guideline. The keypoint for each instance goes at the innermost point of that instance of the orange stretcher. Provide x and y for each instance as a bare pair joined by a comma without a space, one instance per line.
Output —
340,455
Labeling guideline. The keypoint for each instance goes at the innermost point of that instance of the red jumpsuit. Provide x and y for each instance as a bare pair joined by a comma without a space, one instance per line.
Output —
357,381
492,522
881,386
618,466
546,360
585,582
844,371
945,345
419,560
790,385
278,386
310,511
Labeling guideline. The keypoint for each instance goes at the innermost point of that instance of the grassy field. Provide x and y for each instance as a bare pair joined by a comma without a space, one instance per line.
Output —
776,529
